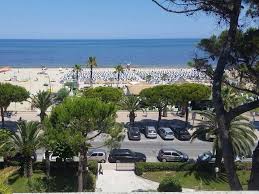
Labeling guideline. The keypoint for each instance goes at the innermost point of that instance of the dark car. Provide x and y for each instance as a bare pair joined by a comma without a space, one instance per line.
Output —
134,133
171,155
206,157
181,133
126,155
20,158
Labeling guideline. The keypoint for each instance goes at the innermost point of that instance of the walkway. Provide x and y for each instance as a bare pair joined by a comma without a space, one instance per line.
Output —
122,181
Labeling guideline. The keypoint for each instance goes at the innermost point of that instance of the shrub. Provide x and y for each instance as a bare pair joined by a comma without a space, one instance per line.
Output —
89,182
93,167
37,185
243,166
155,166
170,184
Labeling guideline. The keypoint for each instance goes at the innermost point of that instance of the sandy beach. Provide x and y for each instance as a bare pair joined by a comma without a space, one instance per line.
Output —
35,79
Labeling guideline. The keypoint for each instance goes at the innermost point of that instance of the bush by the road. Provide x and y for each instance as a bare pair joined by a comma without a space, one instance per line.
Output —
169,184
141,167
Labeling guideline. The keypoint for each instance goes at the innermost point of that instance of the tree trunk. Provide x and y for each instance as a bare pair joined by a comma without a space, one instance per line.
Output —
165,111
27,168
2,115
228,154
30,170
42,115
80,174
219,156
186,115
47,164
159,116
118,80
222,116
254,177
132,117
91,75
82,168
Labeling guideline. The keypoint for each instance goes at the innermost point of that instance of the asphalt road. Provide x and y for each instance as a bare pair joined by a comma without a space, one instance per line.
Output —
150,147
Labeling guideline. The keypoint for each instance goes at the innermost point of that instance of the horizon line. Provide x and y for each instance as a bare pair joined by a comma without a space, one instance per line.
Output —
98,38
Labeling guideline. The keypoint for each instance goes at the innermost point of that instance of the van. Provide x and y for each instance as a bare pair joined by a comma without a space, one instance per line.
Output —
98,155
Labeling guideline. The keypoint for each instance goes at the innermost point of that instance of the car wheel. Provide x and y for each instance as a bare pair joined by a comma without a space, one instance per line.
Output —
103,161
164,160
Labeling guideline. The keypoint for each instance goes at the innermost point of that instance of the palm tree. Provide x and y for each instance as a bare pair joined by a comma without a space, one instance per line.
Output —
241,133
26,141
118,69
42,100
132,104
91,63
4,175
77,69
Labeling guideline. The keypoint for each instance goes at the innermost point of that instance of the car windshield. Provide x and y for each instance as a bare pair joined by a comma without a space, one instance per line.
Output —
184,132
169,133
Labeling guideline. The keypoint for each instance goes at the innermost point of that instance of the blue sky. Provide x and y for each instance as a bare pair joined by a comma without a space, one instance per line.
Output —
98,19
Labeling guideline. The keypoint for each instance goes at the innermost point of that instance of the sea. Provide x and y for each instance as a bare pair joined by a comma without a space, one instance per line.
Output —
65,53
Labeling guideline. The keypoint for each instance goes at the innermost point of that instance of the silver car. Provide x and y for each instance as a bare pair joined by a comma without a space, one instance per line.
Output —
171,155
98,155
150,132
166,133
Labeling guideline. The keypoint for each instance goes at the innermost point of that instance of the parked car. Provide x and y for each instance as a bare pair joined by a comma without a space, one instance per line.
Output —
54,157
171,155
125,155
181,133
134,133
206,157
20,158
150,132
165,133
98,155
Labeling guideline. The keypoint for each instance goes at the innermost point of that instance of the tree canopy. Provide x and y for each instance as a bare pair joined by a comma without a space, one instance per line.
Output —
81,120
11,93
105,94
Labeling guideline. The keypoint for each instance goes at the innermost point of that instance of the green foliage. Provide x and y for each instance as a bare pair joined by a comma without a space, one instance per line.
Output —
170,184
79,116
62,94
90,182
37,185
11,93
192,92
93,167
42,100
63,150
26,140
158,96
241,132
105,94
141,167
77,69
92,62
4,175
119,70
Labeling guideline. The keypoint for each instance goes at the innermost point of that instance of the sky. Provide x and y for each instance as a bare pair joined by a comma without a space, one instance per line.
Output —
97,19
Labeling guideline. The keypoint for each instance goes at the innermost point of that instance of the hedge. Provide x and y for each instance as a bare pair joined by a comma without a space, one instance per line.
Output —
92,165
141,167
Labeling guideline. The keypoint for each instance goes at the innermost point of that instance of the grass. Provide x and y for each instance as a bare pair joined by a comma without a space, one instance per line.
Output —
199,180
19,184
60,182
